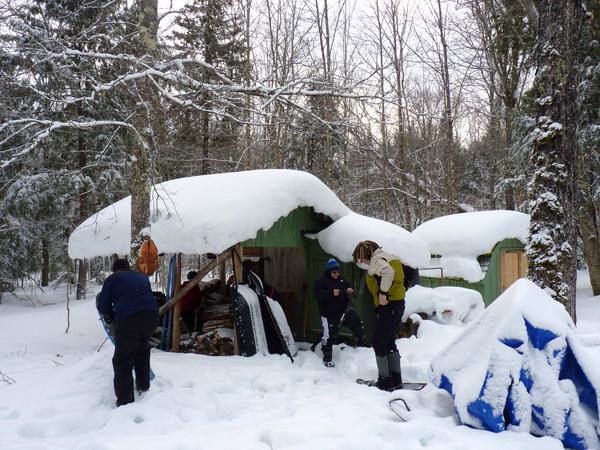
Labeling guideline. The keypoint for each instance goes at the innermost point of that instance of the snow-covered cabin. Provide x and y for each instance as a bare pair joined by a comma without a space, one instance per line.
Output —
482,250
288,223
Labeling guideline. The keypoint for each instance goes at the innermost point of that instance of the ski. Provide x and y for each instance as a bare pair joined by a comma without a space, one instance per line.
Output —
405,386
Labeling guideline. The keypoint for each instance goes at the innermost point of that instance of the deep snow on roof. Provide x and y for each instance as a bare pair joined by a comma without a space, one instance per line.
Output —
207,214
473,233
341,237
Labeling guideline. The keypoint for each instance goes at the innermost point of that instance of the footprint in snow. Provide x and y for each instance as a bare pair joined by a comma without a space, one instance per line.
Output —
9,414
32,431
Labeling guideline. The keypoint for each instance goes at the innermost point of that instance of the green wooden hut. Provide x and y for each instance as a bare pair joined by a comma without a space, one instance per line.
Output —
481,250
287,259
287,223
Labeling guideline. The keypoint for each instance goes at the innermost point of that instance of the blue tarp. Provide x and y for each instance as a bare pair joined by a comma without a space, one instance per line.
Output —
527,371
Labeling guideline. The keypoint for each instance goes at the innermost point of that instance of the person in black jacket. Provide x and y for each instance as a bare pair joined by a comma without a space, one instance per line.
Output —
333,295
126,302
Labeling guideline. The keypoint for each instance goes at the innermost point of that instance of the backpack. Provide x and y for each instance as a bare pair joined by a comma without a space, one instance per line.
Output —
411,276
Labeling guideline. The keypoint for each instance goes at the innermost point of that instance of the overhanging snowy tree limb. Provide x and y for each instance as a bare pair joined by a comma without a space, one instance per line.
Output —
51,126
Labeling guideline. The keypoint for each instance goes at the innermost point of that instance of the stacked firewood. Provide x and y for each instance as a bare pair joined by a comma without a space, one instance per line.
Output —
216,313
216,316
215,343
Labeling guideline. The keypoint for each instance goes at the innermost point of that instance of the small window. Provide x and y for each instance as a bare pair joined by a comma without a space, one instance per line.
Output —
484,262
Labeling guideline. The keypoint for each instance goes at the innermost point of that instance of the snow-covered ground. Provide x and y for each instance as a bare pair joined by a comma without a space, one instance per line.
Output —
62,396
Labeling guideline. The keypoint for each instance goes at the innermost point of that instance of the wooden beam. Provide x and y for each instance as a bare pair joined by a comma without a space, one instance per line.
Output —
237,263
236,258
176,335
194,281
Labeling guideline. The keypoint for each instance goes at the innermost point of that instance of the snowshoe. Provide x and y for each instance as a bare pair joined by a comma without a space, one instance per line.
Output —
405,386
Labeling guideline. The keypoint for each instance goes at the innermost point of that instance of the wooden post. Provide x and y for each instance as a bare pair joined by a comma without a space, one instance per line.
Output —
176,336
237,263
236,259
223,276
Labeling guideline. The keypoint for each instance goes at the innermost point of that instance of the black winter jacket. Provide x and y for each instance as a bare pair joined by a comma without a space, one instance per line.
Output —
330,306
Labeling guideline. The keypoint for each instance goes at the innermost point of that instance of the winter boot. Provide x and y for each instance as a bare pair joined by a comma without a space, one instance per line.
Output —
362,341
395,370
329,363
385,384
384,380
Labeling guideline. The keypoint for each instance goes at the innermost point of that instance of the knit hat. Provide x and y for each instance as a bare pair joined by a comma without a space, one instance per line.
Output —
332,264
120,264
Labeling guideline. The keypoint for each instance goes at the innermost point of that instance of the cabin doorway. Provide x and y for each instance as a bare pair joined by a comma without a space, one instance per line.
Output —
284,269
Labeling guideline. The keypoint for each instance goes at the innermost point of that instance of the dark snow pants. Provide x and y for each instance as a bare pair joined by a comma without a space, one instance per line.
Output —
352,322
388,319
132,353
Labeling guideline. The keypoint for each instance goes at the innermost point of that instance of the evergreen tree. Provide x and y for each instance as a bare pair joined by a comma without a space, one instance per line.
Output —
210,31
60,177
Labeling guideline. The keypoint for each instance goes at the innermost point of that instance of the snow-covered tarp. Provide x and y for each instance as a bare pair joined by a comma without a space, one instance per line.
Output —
207,214
445,304
458,239
341,237
521,367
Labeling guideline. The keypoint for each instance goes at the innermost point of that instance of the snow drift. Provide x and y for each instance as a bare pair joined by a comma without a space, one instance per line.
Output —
520,367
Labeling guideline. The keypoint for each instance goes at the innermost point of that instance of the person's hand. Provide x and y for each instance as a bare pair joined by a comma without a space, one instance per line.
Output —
336,292
350,291
383,299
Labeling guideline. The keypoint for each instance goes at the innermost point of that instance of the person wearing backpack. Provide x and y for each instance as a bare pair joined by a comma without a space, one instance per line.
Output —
385,281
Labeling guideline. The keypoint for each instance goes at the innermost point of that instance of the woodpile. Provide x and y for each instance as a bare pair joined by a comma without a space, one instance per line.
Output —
215,320
216,313
214,343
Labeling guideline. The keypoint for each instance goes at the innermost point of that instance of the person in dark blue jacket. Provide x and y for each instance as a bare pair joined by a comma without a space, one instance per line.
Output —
127,303
333,295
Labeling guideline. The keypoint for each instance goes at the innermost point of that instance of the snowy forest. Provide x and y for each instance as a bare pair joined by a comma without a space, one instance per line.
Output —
407,110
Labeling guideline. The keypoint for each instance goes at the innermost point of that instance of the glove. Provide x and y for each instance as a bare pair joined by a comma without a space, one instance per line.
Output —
107,318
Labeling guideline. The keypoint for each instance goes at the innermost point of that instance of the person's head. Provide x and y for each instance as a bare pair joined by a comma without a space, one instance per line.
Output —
333,268
363,252
191,274
120,264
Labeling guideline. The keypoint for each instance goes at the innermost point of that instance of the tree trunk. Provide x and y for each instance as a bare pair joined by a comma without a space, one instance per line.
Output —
45,260
204,169
449,150
552,243
590,235
140,176
82,271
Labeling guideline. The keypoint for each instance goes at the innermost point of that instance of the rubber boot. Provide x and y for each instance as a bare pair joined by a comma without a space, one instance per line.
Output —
384,381
395,370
